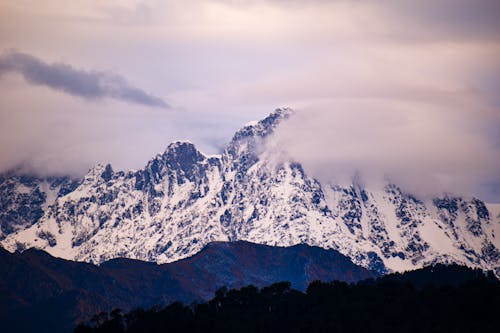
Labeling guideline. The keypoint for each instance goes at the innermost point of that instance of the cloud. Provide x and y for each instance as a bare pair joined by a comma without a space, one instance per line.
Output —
90,85
230,61
63,136
424,149
402,20
449,20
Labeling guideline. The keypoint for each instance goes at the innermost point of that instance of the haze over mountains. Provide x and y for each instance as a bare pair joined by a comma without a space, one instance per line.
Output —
182,200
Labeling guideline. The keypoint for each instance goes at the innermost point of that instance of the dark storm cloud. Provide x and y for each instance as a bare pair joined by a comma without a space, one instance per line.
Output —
92,85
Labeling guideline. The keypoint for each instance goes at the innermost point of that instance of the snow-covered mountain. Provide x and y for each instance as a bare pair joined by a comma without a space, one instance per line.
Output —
182,200
24,199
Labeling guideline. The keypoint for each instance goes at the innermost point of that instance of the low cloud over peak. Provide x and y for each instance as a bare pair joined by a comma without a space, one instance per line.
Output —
424,149
90,85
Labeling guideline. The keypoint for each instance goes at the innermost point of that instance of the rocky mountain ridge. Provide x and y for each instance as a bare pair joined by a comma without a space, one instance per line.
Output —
182,200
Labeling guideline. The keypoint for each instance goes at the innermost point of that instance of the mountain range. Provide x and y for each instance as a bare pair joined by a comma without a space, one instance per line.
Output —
183,200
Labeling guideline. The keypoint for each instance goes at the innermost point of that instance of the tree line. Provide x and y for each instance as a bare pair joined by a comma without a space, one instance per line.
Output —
436,299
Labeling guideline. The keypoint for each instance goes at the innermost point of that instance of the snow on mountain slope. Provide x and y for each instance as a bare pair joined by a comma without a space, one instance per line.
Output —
183,200
24,199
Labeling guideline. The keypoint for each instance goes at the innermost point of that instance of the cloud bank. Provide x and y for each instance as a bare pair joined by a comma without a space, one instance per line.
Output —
425,150
351,67
91,85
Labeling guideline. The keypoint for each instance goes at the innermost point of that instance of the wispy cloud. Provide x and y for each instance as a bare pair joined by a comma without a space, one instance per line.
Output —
91,85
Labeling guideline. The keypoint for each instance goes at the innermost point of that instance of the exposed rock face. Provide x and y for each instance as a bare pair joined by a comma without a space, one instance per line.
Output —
24,199
182,200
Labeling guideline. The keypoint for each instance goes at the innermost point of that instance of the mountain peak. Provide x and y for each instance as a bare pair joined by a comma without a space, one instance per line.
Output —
246,142
183,152
263,127
98,171
180,144
283,112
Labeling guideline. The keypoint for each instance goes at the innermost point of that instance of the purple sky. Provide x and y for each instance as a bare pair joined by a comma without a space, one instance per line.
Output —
406,88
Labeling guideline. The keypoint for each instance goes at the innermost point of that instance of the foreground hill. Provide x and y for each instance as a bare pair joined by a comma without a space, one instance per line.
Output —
55,294
434,299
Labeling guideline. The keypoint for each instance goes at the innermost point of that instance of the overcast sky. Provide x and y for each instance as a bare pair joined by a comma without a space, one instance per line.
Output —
406,88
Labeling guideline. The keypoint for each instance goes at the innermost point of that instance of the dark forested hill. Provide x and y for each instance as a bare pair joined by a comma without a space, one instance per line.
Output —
434,299
41,293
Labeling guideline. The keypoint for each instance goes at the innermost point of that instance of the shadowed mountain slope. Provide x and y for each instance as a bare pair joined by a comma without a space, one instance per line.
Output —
57,293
